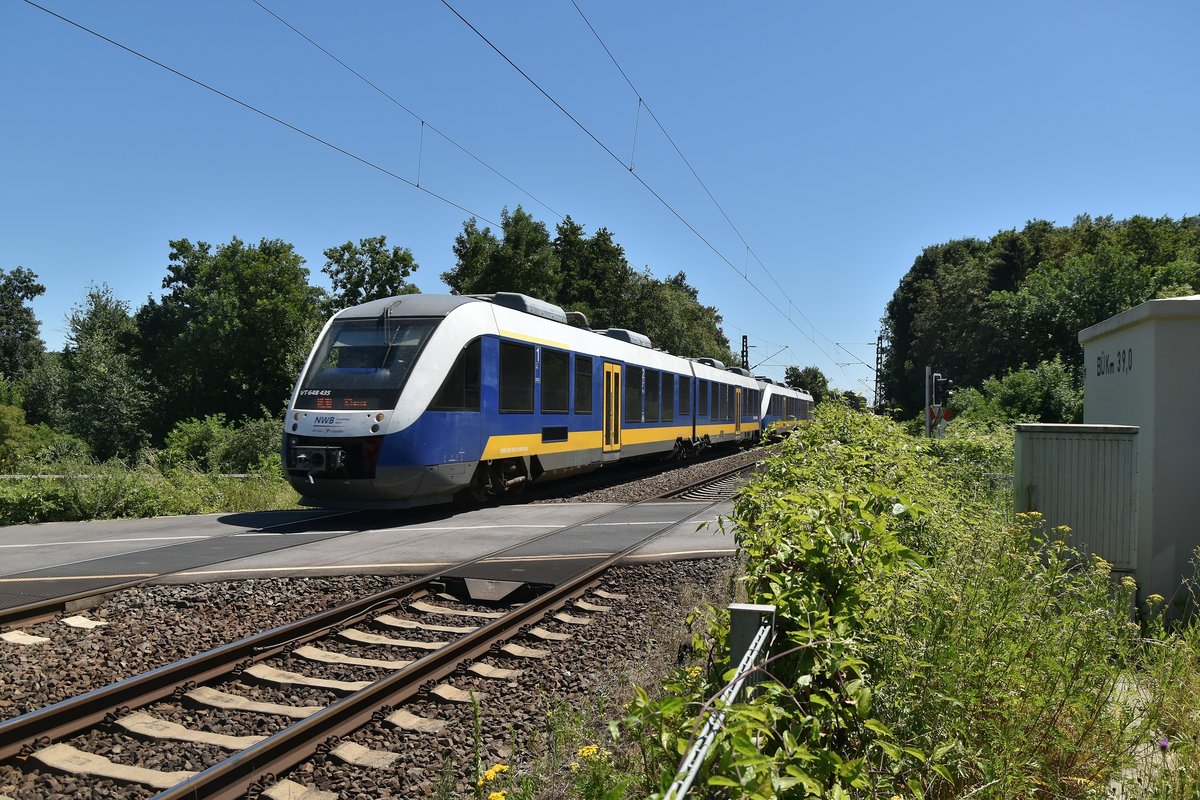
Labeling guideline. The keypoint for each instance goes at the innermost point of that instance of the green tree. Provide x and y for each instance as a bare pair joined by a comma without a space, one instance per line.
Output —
522,261
976,309
105,401
671,314
231,333
596,277
42,391
368,271
20,346
810,379
851,398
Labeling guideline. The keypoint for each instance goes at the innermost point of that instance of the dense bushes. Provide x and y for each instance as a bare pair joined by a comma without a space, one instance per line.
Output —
50,477
929,645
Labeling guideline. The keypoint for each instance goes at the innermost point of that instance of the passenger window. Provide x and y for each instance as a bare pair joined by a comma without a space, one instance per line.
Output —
633,394
668,397
685,396
702,400
653,399
460,390
516,378
556,381
583,384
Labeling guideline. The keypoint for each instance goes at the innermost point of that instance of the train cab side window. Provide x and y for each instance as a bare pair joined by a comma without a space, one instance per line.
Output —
685,396
516,378
583,384
653,398
633,394
556,381
460,390
668,397
702,399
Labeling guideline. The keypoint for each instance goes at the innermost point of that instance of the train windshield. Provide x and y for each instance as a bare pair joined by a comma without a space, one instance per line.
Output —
363,363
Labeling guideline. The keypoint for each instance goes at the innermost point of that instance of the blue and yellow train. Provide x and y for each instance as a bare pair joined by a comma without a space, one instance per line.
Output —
423,399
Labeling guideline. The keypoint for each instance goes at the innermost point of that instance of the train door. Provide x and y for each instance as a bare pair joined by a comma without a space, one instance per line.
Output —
737,409
612,407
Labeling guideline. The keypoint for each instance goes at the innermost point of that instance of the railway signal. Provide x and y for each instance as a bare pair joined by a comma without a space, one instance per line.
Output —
937,397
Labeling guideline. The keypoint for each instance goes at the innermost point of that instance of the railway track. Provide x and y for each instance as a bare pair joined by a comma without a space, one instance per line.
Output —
309,684
34,610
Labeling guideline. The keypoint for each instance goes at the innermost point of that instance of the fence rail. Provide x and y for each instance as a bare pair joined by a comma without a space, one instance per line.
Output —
751,632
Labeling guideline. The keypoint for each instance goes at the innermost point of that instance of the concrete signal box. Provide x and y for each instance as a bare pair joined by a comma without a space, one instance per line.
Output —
1142,367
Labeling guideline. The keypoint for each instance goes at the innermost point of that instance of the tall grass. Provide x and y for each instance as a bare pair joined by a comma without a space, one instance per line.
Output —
81,489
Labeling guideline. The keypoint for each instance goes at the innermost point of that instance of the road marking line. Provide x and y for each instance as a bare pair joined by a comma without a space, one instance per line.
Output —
82,577
106,541
412,565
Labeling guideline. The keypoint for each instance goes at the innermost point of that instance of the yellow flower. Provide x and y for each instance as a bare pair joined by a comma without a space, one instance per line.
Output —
588,751
1128,582
694,672
492,772
1154,599
497,796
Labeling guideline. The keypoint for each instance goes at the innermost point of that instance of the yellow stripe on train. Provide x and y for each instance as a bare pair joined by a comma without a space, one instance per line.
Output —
531,444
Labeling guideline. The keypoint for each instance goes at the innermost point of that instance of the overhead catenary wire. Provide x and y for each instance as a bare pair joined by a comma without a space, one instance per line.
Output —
259,111
424,122
749,250
588,132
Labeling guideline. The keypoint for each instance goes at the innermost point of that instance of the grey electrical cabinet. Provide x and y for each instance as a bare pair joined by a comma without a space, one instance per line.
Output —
1084,477
1142,367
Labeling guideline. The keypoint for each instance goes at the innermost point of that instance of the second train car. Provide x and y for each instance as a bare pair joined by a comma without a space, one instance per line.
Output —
423,399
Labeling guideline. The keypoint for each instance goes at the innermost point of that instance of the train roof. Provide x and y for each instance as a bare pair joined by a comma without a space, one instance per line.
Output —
439,305
414,305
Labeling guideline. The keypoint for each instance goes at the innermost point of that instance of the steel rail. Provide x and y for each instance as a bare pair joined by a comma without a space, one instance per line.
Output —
42,610
233,777
45,609
20,735
74,714
68,717
705,482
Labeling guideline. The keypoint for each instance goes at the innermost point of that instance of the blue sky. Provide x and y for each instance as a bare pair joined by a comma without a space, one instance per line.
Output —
839,138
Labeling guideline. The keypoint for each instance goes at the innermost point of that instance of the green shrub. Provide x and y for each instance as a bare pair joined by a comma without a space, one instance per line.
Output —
929,646
253,446
1043,393
197,443
213,445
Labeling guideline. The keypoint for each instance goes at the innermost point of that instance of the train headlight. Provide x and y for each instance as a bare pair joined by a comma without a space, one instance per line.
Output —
379,417
296,416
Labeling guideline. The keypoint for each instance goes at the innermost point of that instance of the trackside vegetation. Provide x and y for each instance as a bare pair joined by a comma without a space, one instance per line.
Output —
205,466
929,645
